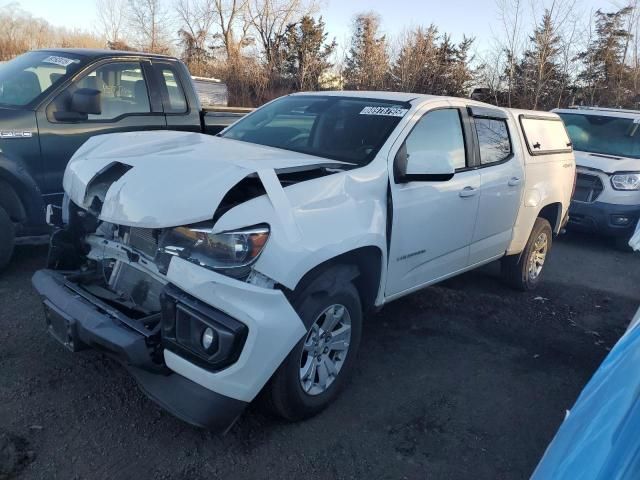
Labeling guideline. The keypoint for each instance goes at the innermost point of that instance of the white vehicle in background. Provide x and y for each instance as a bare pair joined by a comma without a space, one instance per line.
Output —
607,149
217,268
212,92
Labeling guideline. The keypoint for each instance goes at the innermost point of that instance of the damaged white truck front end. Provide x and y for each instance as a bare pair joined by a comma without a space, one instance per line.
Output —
218,269
181,260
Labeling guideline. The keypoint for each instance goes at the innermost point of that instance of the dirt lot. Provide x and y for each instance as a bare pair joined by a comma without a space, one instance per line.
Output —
465,380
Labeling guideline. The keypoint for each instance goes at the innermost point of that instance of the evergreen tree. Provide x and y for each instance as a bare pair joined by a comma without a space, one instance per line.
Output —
538,78
428,64
367,63
306,53
605,72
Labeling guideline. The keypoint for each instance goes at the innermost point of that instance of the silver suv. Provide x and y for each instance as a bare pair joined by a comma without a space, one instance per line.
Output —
606,143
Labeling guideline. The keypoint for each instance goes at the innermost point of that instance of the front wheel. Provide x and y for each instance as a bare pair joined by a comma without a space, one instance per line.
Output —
315,371
523,271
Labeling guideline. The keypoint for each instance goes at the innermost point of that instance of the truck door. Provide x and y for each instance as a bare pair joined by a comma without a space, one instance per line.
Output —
180,103
501,182
433,218
125,105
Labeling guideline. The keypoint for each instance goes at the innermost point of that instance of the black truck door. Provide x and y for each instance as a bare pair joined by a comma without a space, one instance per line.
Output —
180,102
126,105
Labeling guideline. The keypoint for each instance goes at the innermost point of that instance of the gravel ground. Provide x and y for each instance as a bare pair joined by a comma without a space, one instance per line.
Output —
464,380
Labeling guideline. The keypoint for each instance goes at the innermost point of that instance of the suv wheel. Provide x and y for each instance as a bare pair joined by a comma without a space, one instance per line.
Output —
523,271
7,238
315,371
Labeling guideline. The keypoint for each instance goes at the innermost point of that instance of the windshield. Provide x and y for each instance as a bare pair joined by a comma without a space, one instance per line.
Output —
606,135
28,76
339,128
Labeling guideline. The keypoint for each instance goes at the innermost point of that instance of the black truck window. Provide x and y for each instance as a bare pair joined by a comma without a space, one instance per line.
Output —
123,87
173,94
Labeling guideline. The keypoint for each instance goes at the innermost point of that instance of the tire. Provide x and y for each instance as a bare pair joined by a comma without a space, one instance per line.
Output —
7,238
517,270
285,395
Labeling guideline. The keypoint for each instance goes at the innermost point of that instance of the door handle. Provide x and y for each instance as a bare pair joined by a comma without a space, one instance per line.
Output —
467,192
514,181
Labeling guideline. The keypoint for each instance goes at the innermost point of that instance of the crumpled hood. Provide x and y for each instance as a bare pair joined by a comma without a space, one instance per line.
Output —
605,163
175,178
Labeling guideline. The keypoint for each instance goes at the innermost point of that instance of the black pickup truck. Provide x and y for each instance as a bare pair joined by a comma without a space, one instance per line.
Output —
52,101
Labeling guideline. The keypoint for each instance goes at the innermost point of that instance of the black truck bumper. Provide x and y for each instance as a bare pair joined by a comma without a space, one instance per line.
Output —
80,323
605,218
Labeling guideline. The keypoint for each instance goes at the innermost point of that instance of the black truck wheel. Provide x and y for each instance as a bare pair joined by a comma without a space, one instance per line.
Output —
315,371
523,271
7,238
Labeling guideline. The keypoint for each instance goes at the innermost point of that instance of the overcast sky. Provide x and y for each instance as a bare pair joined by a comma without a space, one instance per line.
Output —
476,18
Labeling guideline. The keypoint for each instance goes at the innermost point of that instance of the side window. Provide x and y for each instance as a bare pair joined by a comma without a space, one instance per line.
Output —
439,133
123,89
546,136
177,103
494,141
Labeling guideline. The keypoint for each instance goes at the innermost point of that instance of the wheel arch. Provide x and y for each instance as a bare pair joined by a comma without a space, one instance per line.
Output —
10,201
19,193
366,275
553,214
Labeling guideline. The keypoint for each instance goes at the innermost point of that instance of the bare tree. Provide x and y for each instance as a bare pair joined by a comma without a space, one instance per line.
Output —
270,19
233,20
510,14
416,57
197,18
547,40
112,18
149,21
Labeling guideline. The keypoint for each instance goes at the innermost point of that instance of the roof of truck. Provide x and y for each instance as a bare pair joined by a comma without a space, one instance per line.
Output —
601,111
394,96
97,52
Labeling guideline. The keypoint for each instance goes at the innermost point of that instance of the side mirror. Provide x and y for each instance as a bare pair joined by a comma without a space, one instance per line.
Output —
86,101
425,166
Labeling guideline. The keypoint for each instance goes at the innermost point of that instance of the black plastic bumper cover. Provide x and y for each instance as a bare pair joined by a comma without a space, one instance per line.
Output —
87,326
598,217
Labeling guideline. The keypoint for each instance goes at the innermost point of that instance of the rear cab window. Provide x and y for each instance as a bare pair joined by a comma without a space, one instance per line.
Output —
545,135
173,96
493,140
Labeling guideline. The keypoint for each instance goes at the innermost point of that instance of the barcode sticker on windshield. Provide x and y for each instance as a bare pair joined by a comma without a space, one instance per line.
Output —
637,120
384,111
62,61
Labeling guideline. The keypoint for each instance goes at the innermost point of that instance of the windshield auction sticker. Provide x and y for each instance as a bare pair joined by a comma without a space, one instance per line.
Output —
62,61
384,111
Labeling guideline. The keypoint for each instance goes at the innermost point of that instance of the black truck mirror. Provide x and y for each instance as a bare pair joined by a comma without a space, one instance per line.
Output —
87,101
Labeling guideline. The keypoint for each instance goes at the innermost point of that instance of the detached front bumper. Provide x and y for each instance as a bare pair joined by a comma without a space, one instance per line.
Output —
606,218
79,321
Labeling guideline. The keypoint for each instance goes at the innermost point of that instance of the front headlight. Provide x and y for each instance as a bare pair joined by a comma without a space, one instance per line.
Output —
232,252
626,181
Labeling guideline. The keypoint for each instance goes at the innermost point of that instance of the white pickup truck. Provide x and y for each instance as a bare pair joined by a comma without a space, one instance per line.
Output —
220,268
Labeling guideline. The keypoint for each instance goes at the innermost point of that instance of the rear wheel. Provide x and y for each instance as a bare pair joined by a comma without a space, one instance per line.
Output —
7,238
315,371
523,271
